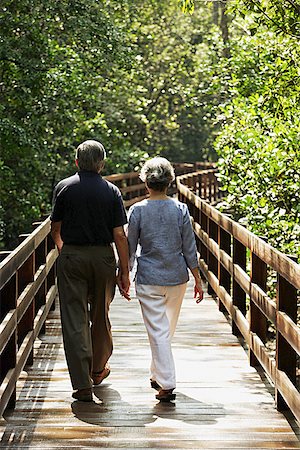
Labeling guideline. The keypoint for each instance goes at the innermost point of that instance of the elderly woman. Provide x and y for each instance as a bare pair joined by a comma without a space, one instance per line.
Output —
161,226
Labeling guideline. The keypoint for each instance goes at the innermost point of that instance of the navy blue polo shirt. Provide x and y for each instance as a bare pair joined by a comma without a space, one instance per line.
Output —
89,208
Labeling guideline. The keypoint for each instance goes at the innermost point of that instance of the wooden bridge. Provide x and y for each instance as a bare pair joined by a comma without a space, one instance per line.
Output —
236,387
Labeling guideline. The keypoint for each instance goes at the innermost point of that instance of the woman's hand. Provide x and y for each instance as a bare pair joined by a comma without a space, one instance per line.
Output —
198,291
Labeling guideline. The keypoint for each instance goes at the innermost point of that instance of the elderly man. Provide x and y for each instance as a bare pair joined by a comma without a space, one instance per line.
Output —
88,216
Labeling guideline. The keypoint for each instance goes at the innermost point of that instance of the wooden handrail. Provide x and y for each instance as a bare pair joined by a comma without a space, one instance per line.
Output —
235,263
28,289
133,190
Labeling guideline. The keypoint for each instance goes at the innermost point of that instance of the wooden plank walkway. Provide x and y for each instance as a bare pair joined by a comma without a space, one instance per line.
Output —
221,401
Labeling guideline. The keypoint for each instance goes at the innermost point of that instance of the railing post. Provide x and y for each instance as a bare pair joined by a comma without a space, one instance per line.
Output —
8,358
51,279
212,260
286,357
238,294
204,184
40,259
199,193
258,322
26,276
216,187
224,240
203,248
210,187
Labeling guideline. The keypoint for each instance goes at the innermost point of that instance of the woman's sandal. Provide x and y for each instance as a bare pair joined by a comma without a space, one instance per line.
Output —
166,395
155,385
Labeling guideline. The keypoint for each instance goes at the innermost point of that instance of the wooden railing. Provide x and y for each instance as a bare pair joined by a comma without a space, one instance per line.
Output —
133,190
28,290
237,265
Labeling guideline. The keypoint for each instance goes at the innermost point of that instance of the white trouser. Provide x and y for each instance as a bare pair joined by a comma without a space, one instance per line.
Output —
160,308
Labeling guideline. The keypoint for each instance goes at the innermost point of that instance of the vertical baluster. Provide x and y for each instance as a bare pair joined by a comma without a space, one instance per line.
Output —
224,240
8,357
203,248
51,278
200,188
210,186
204,181
258,322
286,357
238,295
40,259
25,276
212,260
216,188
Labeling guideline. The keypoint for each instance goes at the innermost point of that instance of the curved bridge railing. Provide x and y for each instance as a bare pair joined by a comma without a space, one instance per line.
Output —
255,284
28,288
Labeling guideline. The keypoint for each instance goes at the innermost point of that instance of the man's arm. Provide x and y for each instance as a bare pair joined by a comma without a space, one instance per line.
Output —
122,249
56,236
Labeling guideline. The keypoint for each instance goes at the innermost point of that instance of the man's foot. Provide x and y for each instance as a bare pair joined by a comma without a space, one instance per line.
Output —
83,395
98,377
166,395
154,384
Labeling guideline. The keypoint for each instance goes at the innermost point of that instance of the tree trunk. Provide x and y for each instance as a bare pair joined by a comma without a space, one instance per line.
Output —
224,28
216,7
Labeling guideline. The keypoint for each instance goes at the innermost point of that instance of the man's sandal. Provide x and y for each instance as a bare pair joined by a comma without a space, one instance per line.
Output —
83,395
98,377
165,395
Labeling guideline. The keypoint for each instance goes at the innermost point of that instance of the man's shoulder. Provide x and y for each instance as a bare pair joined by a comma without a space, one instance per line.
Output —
68,181
112,187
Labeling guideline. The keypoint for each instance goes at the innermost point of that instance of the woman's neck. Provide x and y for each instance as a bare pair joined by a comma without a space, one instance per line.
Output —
156,195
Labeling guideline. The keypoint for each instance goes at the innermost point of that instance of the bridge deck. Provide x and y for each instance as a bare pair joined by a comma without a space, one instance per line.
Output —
221,401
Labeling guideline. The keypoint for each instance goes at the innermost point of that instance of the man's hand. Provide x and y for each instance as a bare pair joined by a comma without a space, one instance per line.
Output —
122,249
123,283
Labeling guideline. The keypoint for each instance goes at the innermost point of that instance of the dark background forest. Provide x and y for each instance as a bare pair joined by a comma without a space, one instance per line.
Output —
211,80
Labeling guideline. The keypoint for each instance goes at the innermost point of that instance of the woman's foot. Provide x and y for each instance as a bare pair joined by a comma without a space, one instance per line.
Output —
98,377
165,395
83,395
155,385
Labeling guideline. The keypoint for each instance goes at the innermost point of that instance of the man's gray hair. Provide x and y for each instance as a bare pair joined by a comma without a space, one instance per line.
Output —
158,173
90,156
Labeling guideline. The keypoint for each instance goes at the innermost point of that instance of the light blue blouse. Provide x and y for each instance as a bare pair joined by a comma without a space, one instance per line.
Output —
164,232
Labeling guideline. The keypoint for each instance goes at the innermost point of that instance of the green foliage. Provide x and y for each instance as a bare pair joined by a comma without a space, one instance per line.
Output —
139,76
280,15
187,6
146,79
259,142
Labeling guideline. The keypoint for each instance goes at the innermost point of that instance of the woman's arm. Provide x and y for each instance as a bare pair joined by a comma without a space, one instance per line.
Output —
133,235
189,250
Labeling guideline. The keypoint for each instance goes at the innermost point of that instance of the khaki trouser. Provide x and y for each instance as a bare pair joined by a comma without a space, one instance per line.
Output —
160,308
86,285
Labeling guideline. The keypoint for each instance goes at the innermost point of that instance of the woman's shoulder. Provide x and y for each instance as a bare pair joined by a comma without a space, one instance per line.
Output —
179,205
137,207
